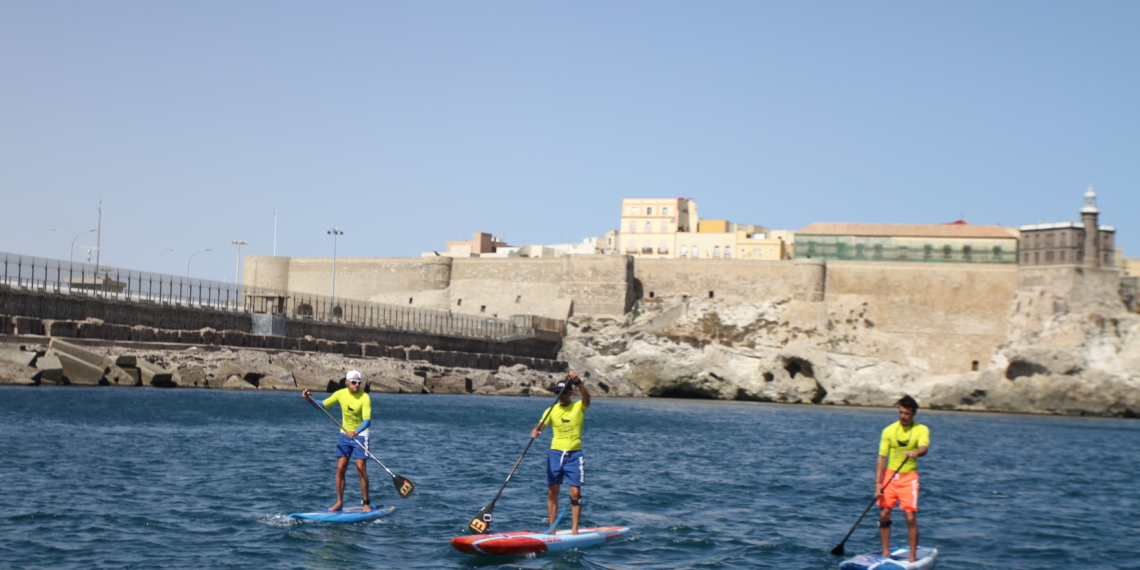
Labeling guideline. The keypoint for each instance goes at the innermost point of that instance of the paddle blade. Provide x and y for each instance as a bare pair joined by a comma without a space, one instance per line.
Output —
482,520
838,550
403,486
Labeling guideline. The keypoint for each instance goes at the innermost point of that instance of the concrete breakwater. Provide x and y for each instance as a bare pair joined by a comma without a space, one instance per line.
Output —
102,363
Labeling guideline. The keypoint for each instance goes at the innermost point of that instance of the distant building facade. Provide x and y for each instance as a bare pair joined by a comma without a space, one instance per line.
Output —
649,226
911,243
1081,243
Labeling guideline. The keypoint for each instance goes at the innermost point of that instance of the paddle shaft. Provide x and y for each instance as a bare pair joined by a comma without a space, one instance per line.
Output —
838,550
525,449
362,446
486,511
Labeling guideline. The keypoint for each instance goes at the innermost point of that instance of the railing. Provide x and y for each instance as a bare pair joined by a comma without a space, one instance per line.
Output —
68,278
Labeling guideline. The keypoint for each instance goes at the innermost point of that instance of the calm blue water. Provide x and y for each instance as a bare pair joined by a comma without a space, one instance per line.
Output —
149,478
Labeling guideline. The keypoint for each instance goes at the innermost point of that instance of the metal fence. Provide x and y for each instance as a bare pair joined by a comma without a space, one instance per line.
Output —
70,278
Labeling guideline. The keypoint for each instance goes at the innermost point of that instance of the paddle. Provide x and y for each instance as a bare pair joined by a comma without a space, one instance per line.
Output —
403,486
482,520
838,550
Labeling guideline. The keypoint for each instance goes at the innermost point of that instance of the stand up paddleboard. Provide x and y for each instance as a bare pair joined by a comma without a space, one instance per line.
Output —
526,542
898,560
354,514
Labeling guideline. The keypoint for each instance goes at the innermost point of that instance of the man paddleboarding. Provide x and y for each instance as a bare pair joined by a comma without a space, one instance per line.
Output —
565,460
896,472
356,416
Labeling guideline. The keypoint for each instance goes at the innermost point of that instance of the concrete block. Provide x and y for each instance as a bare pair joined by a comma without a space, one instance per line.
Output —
414,353
372,349
166,335
57,346
80,372
427,355
116,332
353,349
208,335
154,375
6,325
507,360
140,333
50,369
484,362
21,357
27,325
117,376
233,338
125,361
91,329
307,343
323,345
496,362
292,343
64,329
190,337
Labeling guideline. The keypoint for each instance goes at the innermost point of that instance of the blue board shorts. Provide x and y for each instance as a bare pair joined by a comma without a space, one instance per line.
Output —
346,447
570,465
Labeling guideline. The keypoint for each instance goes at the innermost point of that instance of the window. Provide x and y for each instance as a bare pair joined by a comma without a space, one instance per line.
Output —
727,252
927,251
684,251
337,312
410,299
665,210
664,227
997,253
459,303
518,299
757,251
649,211
946,252
631,245
633,210
663,248
482,308
648,227
878,251
743,252
716,251
858,250
771,251
902,252
966,251
304,310
1062,255
711,294
694,251
632,227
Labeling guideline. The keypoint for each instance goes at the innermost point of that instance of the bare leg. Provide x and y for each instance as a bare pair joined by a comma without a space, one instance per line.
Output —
552,502
341,467
362,471
575,510
912,533
885,531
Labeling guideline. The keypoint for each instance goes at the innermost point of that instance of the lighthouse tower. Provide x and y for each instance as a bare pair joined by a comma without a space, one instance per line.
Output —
1089,213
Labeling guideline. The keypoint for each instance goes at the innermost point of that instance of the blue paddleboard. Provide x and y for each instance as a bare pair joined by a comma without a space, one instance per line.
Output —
354,514
897,561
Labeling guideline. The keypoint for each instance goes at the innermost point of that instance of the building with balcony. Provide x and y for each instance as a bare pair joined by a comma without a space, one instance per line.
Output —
649,226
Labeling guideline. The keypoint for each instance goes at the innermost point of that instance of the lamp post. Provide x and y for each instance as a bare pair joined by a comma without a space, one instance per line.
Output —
71,253
237,264
334,232
191,258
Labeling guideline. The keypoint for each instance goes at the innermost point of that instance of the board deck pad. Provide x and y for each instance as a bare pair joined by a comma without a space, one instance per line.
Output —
897,561
527,542
353,514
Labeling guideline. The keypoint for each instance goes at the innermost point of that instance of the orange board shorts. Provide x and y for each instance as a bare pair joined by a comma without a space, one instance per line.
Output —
903,490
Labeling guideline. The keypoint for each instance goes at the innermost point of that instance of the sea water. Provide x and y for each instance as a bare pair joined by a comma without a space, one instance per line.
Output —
190,479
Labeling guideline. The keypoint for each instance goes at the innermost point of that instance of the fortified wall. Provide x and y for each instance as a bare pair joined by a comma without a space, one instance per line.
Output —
951,315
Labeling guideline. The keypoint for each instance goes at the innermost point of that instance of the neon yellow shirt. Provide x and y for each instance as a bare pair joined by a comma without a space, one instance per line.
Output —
567,422
354,408
897,439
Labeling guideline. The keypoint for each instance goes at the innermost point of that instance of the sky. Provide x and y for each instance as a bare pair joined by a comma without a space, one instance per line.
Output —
407,124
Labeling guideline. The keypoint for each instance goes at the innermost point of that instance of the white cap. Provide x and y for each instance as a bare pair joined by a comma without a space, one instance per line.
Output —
353,375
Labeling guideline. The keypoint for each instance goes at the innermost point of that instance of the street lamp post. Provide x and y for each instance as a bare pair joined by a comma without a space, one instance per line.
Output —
237,265
191,258
334,232
71,253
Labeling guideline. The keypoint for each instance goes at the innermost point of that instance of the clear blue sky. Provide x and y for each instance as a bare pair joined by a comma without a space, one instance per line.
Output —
408,124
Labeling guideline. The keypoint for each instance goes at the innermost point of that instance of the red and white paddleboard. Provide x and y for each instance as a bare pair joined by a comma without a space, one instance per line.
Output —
526,542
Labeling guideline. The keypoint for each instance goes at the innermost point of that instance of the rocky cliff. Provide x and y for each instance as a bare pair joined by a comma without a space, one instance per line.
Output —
1073,351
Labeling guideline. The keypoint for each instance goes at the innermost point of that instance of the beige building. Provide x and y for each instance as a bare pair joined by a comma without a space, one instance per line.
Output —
911,243
1084,243
649,226
760,246
480,244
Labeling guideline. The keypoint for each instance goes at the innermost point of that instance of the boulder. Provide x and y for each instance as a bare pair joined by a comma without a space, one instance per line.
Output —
154,375
447,384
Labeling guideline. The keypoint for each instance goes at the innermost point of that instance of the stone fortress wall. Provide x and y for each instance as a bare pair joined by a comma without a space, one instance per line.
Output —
953,314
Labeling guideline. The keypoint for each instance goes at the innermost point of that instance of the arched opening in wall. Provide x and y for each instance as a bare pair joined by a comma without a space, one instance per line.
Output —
482,308
947,252
652,294
858,250
967,251
997,253
459,303
798,366
712,294
927,251
974,366
518,299
684,298
410,299
337,312
305,310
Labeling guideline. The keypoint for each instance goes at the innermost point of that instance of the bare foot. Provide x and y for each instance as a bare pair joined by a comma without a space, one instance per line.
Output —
337,507
573,531
368,509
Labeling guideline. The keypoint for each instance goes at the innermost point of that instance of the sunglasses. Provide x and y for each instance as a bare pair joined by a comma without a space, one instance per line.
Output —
354,381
